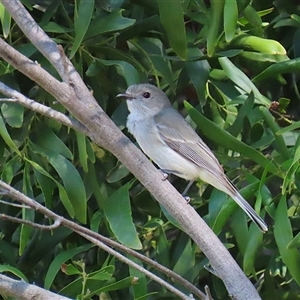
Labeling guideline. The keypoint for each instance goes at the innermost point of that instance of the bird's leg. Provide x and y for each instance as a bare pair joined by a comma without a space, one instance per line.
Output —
165,176
187,198
165,173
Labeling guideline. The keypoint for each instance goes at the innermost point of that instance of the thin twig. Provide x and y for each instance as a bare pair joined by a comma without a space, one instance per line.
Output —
16,195
136,266
55,225
13,204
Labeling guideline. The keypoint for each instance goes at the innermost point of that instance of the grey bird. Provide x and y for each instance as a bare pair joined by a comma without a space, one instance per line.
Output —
165,136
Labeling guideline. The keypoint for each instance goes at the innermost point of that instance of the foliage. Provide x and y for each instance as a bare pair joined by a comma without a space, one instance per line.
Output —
199,51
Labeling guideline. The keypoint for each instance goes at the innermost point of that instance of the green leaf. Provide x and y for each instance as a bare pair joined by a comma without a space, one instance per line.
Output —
55,28
264,57
237,126
5,20
140,289
117,173
59,260
214,29
223,138
171,17
283,236
240,230
6,137
290,173
48,140
63,196
129,73
108,22
117,210
230,19
72,183
295,242
153,52
92,285
255,238
289,128
220,209
121,284
252,16
27,214
13,114
82,148
241,80
198,71
12,270
82,21
184,257
71,179
288,66
280,143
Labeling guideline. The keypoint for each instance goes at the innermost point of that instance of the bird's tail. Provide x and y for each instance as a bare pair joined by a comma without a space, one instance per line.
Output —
246,207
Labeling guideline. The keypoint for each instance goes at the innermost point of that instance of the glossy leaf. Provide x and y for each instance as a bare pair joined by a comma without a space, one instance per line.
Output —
230,18
15,271
217,8
198,71
117,210
107,23
72,181
6,137
62,192
240,79
283,236
13,114
255,238
82,149
59,260
127,70
82,21
5,19
292,65
47,139
171,17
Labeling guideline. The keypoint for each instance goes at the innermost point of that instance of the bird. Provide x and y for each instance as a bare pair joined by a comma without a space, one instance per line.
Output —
167,139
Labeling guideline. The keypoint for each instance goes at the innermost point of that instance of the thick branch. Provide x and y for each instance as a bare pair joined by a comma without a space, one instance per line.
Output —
23,291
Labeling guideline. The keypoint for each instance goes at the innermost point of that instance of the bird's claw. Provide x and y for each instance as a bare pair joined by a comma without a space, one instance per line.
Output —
187,199
165,176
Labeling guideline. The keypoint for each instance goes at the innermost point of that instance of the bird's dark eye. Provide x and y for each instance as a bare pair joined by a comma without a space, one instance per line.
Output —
146,95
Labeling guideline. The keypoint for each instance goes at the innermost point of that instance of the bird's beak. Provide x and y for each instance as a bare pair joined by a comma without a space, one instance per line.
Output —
125,95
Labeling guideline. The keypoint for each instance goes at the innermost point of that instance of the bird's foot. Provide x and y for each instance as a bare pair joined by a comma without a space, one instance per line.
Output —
165,174
187,199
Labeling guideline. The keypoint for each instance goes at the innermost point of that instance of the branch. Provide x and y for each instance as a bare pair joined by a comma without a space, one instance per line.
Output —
44,110
23,291
76,98
29,223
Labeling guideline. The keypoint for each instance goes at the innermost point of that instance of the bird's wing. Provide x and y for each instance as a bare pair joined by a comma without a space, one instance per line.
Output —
186,142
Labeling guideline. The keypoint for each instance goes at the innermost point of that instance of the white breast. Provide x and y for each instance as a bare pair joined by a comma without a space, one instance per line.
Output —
148,138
